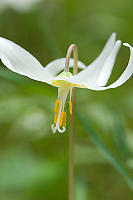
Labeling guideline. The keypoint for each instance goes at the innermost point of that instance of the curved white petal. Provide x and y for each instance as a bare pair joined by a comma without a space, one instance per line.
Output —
20,61
58,65
108,66
106,50
123,78
92,72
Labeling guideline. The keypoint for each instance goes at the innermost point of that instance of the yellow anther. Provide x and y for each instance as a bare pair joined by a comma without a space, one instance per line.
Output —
70,107
61,118
56,108
64,119
55,117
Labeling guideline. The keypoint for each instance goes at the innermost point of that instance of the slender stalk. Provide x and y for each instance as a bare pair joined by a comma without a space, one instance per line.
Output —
73,48
71,150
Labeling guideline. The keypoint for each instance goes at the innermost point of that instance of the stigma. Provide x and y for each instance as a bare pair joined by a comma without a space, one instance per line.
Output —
60,115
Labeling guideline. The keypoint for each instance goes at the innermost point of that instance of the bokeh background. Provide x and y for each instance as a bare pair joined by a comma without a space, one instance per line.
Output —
33,161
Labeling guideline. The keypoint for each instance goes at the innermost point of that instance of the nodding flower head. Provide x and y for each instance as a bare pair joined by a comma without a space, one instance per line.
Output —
94,76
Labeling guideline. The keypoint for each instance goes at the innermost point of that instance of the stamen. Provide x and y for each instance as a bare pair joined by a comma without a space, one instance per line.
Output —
61,118
64,119
55,117
56,108
70,107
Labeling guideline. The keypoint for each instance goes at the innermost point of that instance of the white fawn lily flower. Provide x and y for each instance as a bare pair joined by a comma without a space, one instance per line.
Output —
95,76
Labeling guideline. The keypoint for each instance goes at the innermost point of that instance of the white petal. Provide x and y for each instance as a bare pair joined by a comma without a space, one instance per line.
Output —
123,78
108,66
106,50
92,72
58,65
20,61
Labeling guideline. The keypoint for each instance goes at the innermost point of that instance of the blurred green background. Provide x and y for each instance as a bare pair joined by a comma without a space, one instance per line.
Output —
33,161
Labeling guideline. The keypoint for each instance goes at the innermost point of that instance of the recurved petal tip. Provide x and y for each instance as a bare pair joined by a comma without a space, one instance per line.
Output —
127,45
114,35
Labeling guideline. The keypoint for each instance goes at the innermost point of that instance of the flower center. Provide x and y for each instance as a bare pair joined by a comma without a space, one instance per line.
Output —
62,75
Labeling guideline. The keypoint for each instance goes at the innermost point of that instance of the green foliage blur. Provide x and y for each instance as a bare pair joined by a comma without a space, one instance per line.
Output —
33,161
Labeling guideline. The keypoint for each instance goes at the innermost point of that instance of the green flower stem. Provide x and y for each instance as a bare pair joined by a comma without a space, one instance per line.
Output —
71,149
73,48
